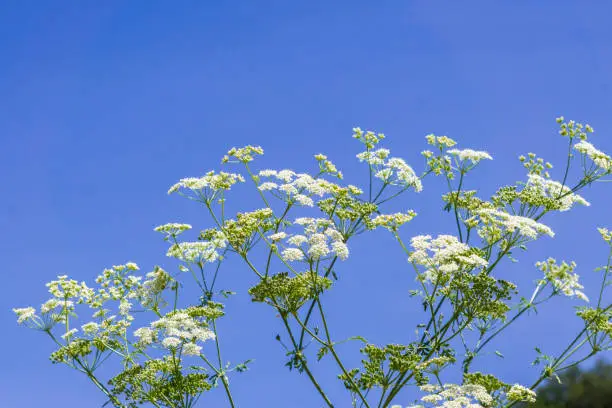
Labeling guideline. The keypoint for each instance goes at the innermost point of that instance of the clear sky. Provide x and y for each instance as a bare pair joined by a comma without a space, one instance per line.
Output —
105,104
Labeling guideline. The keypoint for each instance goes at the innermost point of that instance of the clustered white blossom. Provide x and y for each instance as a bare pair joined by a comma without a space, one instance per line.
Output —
500,219
455,396
212,181
468,396
198,251
562,277
173,228
392,221
606,234
174,330
443,254
391,170
320,238
520,393
602,160
296,187
553,189
244,154
468,154
24,313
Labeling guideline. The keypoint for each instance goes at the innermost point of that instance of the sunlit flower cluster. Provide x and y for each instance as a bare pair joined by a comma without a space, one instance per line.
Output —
562,277
391,170
243,154
320,240
606,234
176,329
368,138
444,254
455,396
211,181
295,187
498,221
326,166
199,251
601,160
553,189
173,229
520,393
392,221
473,156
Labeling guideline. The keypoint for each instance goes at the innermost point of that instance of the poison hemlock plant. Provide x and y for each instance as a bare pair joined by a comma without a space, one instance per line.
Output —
171,356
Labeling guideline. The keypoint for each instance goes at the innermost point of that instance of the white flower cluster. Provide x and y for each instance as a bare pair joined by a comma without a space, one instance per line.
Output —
24,314
392,221
562,277
468,154
368,138
606,234
500,219
116,284
199,251
173,228
175,330
440,141
455,396
320,238
602,160
520,393
444,254
242,154
296,187
391,170
212,181
553,189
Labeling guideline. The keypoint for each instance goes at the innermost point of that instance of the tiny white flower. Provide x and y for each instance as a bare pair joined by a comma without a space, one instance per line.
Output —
24,314
292,254
171,342
191,349
278,236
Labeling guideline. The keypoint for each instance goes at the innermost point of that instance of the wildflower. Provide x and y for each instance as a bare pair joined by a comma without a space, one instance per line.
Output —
145,336
605,234
278,236
440,141
455,396
392,221
173,228
374,157
24,314
602,160
200,251
562,277
525,226
90,328
124,307
69,334
171,342
211,181
368,138
293,254
297,240
243,154
444,254
520,393
468,154
267,186
191,349
340,249
555,190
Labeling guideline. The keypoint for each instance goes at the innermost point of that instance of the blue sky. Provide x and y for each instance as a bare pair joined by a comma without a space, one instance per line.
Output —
104,105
